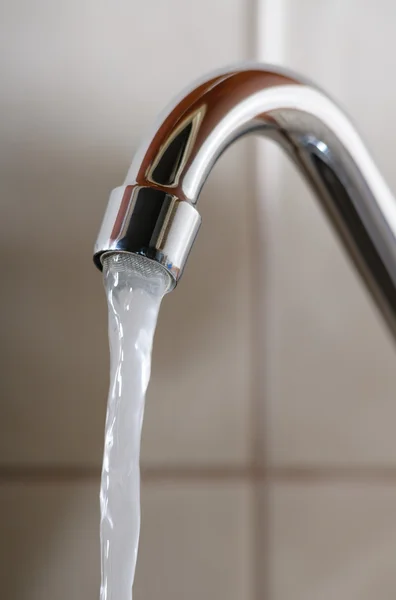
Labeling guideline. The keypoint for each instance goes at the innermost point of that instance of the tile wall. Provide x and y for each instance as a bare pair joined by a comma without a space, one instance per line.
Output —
269,469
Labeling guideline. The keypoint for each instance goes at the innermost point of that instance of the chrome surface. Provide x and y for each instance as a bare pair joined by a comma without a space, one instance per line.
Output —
151,222
154,212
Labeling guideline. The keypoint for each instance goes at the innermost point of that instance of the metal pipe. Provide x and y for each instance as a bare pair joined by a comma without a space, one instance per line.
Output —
154,213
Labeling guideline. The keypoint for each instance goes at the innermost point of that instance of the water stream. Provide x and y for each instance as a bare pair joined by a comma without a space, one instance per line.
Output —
135,287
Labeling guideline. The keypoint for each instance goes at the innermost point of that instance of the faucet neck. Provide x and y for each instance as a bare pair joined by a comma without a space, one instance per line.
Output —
154,212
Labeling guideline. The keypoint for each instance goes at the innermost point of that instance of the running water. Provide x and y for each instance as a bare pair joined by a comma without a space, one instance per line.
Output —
135,287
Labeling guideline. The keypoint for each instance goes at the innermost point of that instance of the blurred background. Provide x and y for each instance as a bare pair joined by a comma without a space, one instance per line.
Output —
269,446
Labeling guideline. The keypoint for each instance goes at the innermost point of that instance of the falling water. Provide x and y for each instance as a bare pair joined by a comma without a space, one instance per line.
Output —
135,287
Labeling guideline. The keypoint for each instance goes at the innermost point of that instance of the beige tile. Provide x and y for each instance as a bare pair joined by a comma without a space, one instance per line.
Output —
332,541
331,371
49,542
330,367
72,115
195,541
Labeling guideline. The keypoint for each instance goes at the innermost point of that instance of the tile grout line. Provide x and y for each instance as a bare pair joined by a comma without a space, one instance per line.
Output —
278,475
264,176
169,475
269,45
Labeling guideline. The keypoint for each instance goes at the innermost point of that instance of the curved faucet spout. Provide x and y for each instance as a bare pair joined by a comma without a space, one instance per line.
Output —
154,213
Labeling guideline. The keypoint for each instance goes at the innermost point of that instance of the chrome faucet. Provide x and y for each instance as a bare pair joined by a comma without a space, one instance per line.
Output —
154,214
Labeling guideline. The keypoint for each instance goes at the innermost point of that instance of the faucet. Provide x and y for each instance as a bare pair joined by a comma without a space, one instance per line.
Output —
154,214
